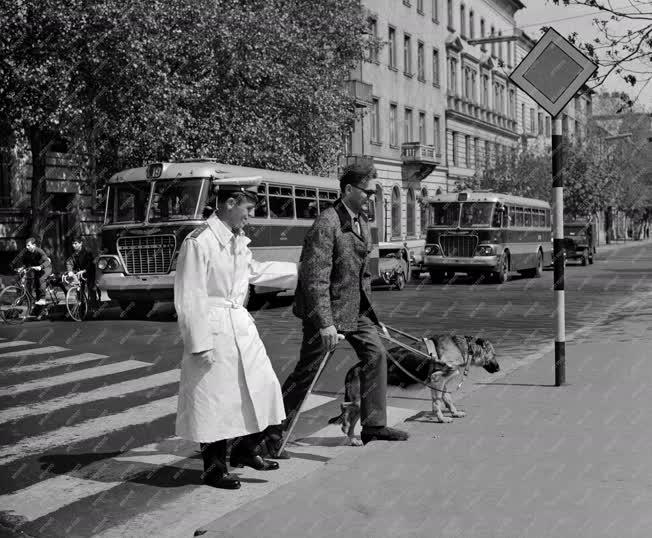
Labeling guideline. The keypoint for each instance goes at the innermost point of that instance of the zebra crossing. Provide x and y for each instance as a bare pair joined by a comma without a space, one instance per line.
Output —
123,471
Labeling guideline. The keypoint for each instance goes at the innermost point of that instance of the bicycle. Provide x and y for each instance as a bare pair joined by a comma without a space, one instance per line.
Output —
77,299
17,301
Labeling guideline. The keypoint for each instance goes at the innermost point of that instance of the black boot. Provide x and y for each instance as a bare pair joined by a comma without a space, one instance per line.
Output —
246,451
215,469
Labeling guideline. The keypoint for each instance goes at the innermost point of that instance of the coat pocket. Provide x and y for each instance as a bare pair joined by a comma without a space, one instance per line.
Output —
216,321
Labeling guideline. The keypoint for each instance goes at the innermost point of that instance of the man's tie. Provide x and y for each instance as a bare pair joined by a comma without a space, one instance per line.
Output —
356,221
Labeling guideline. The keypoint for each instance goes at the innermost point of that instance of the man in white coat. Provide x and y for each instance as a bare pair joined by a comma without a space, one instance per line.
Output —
228,389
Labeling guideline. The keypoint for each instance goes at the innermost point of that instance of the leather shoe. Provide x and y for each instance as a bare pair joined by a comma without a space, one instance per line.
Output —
255,462
383,433
227,481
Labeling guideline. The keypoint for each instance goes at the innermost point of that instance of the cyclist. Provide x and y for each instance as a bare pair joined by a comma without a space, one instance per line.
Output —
37,260
83,259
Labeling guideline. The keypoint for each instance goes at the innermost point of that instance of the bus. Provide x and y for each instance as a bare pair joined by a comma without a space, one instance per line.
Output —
488,234
150,210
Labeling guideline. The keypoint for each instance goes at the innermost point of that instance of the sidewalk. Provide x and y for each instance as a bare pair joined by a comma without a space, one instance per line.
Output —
529,460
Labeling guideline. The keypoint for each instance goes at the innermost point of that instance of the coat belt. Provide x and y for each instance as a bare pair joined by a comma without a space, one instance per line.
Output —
223,302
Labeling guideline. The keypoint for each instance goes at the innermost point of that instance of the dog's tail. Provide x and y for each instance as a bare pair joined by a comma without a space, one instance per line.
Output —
338,419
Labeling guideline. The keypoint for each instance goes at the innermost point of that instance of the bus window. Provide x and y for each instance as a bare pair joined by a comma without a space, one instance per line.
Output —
547,218
326,199
518,217
127,202
527,217
175,200
541,218
499,211
306,203
445,214
281,203
476,214
260,210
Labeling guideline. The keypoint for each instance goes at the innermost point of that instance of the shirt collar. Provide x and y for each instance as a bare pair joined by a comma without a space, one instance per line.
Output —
350,211
223,233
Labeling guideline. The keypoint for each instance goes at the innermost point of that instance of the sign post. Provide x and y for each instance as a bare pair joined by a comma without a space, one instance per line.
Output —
551,74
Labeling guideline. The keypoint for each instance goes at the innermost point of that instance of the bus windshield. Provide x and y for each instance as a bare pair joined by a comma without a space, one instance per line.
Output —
476,214
127,202
175,200
445,214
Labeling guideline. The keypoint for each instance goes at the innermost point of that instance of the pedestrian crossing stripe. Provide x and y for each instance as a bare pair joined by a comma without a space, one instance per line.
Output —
15,343
63,361
32,352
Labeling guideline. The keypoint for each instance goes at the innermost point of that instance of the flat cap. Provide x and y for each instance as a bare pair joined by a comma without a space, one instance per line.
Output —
246,185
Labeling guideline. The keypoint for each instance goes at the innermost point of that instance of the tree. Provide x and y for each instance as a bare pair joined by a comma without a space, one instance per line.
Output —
617,47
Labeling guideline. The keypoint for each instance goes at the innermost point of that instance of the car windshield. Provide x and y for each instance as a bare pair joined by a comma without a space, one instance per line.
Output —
445,214
476,214
574,230
175,199
127,202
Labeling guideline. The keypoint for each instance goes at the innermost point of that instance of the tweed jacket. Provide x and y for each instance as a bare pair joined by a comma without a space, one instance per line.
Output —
334,278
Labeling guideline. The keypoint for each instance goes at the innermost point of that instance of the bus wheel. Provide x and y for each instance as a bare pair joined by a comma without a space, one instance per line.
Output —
136,309
437,277
537,271
400,281
502,275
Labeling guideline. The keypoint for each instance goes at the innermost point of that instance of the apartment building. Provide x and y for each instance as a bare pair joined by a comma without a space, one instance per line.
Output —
403,87
481,111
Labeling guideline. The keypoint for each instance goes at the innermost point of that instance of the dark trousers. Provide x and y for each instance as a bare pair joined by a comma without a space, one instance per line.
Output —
39,282
214,454
373,375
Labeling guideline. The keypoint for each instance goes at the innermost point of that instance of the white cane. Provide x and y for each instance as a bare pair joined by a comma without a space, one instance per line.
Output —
295,418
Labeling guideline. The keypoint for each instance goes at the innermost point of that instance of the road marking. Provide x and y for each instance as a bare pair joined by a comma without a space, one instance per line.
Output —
109,391
89,429
50,495
80,375
15,343
35,351
63,361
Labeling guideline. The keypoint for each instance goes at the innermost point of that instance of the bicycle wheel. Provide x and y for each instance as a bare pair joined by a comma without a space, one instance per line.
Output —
77,304
15,305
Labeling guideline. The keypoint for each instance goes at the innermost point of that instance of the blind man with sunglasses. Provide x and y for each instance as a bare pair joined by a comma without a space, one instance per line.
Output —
334,296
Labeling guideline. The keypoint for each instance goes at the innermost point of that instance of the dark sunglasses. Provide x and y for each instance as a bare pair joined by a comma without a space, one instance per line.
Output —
368,192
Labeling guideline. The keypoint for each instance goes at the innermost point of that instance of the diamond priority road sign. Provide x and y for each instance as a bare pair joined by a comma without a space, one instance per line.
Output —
552,72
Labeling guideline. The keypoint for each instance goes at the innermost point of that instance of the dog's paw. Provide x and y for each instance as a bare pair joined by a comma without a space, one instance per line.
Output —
445,420
458,414
353,441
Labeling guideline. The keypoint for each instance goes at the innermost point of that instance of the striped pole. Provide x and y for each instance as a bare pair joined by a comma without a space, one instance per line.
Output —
557,251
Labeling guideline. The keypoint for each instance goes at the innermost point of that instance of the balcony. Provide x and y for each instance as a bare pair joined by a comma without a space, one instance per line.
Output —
360,91
419,161
354,160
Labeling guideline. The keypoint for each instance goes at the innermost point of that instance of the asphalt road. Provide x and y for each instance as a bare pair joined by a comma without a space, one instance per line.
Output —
87,409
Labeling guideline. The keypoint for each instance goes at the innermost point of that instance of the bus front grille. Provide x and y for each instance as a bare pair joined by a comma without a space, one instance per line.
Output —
458,246
147,255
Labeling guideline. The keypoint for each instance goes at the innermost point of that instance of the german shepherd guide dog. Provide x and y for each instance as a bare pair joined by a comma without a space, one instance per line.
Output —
458,353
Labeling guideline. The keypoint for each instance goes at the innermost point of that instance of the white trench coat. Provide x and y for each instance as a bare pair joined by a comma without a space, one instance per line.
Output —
239,392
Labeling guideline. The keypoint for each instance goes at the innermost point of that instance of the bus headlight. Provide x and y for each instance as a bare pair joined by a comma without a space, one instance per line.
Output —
431,250
109,264
485,250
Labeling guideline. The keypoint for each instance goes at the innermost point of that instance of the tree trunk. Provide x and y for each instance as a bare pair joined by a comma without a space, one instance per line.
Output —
39,200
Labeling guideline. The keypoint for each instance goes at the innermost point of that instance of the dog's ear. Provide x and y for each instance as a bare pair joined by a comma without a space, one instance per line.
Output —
487,348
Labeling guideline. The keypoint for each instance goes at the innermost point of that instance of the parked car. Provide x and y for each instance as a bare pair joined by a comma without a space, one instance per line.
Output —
579,242
393,268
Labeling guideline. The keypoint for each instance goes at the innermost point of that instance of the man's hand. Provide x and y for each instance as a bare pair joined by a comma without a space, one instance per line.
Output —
206,357
329,337
36,268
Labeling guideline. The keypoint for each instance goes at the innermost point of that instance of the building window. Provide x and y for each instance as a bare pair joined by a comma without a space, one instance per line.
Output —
422,128
435,67
436,135
450,15
407,55
547,125
523,117
396,213
512,104
476,152
411,213
463,20
375,121
454,155
373,30
577,130
467,151
485,91
393,131
407,126
509,53
500,47
471,24
421,68
482,34
540,123
452,76
392,48
423,214
493,45
435,10
420,7
487,153
532,120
